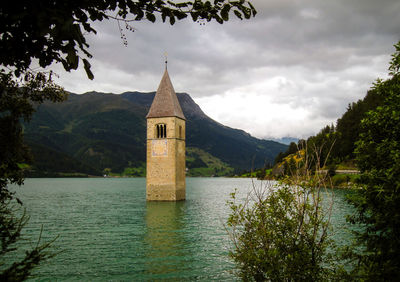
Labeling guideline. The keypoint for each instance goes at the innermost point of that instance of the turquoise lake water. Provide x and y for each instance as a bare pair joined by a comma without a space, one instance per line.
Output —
107,230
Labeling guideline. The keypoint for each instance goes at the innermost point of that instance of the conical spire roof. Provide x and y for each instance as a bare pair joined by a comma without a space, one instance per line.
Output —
165,103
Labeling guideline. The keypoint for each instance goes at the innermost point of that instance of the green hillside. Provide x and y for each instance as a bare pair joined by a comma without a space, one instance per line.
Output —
98,131
336,144
199,163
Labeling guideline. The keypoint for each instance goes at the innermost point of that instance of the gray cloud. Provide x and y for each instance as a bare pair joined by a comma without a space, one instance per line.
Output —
301,56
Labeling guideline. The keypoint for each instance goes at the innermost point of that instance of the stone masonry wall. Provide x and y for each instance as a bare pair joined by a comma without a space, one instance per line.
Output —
165,174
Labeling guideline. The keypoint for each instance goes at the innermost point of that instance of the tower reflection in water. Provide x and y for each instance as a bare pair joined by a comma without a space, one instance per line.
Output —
167,254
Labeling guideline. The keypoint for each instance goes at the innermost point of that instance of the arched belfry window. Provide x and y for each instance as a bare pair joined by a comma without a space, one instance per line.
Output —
161,130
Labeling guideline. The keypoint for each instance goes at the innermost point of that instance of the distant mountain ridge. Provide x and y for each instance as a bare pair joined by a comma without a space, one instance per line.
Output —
104,130
286,140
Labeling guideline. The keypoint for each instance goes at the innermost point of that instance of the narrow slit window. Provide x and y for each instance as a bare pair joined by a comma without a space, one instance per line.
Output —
161,131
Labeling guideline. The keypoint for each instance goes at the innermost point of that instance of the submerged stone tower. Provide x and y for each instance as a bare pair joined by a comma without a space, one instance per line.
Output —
165,173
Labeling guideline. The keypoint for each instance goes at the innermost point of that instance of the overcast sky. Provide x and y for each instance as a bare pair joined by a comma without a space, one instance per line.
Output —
289,71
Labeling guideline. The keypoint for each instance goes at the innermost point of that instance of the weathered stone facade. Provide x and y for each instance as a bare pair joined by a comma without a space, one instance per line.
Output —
165,174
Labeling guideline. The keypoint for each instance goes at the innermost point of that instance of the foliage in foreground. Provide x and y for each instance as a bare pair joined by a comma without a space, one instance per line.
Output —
56,31
378,202
15,266
280,231
16,103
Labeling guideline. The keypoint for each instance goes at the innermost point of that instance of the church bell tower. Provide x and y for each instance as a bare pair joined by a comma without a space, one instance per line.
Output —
165,173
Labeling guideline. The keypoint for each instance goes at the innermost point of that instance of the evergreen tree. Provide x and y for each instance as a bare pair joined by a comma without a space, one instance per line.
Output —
292,148
348,126
378,202
324,143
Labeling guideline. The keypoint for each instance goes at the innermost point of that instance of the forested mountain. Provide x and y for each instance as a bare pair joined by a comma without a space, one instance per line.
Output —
336,143
95,131
348,126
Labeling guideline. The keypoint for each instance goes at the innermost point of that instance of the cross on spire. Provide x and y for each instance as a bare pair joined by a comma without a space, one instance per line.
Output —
165,103
166,60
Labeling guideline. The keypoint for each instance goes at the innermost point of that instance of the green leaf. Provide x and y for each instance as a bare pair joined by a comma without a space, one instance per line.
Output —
246,12
72,59
195,16
171,19
151,17
179,15
163,16
254,11
225,12
87,66
238,14
139,15
181,5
